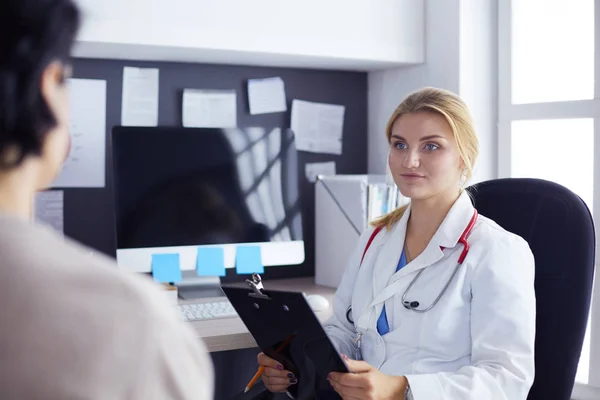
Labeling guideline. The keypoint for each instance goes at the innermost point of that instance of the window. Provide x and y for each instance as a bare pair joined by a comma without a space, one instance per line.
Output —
549,111
563,150
552,50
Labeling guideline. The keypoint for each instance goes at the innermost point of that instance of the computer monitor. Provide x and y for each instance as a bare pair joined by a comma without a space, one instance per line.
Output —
177,189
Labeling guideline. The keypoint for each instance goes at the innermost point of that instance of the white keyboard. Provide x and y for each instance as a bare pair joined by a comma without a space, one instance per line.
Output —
204,311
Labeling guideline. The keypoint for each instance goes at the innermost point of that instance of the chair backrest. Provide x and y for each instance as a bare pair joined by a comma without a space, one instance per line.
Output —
560,231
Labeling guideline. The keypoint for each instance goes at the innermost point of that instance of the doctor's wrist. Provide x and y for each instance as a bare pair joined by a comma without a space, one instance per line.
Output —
402,387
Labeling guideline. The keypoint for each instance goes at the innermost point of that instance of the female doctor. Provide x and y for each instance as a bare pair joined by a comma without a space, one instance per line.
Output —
437,301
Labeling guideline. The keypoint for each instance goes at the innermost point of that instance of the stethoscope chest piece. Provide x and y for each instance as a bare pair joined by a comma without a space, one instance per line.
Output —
410,305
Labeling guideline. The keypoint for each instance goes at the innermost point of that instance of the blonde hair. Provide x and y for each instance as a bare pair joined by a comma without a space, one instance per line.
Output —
458,116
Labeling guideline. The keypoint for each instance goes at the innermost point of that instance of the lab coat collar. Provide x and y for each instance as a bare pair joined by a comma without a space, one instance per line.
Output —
455,223
392,243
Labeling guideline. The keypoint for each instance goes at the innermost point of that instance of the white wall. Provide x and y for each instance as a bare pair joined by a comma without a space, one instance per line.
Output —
441,69
349,34
478,78
461,50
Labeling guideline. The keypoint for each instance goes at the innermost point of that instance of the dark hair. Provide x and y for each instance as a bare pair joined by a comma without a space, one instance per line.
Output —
33,33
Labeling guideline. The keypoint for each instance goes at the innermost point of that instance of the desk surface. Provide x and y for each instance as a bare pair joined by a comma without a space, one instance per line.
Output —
231,333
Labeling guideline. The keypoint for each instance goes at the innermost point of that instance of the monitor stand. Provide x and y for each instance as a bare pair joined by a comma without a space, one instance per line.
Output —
193,287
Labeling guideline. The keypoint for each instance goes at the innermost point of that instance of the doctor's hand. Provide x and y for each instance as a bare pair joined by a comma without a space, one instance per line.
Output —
275,378
367,383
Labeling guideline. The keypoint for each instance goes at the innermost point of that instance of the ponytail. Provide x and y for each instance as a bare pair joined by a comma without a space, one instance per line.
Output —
388,220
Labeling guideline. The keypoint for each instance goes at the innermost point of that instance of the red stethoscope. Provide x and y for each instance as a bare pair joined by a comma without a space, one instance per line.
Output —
412,305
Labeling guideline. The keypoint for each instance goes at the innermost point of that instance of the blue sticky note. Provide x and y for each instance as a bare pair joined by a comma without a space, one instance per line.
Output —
165,268
210,261
248,260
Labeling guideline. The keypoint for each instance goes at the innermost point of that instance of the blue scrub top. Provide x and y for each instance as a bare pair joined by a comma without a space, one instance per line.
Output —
382,323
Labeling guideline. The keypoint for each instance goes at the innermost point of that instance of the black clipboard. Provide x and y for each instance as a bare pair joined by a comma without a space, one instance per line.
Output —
280,318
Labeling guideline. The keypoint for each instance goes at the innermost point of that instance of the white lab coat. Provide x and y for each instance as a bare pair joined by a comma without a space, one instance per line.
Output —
477,342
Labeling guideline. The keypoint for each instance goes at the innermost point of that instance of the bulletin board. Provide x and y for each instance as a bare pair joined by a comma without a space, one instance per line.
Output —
89,212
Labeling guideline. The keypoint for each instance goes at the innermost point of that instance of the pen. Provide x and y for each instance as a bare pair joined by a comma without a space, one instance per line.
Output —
262,368
254,378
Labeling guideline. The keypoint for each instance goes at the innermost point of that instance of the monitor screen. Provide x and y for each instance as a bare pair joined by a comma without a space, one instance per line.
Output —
180,188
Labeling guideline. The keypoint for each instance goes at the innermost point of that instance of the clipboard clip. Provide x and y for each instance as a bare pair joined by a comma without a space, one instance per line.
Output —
257,287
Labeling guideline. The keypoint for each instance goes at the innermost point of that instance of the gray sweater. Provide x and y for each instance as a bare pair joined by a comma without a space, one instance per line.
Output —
75,327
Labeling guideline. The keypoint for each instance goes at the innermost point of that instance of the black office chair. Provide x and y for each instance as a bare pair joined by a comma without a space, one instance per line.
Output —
560,231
